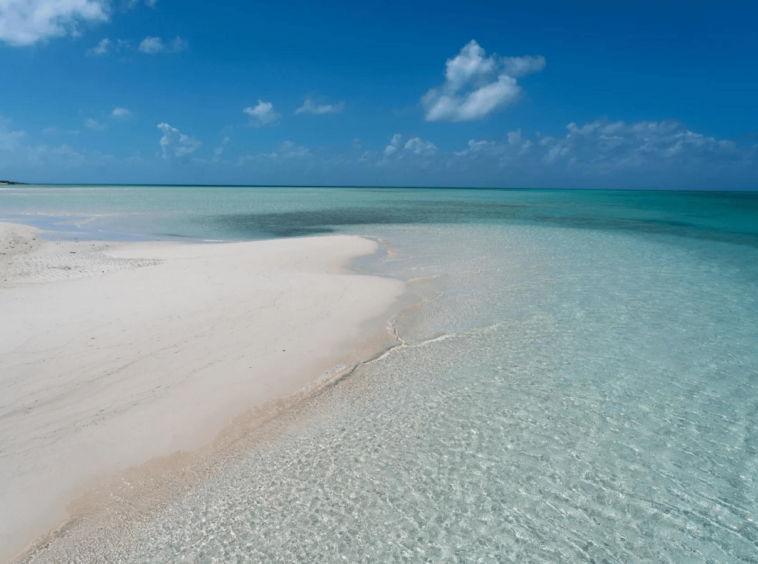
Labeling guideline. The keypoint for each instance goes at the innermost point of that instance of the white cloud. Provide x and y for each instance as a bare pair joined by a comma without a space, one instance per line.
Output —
107,46
597,154
414,145
477,148
309,107
522,66
395,144
476,86
102,48
25,22
120,113
420,147
94,125
602,145
622,153
262,114
153,45
175,144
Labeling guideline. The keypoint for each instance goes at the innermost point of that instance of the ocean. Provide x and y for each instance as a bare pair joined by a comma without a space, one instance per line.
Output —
579,385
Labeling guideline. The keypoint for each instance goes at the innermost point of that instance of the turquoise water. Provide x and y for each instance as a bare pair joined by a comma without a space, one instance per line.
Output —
580,386
251,213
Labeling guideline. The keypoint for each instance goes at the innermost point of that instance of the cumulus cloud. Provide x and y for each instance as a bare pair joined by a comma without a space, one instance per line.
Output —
476,86
262,114
514,147
101,48
154,45
605,146
175,144
648,154
107,46
309,107
148,46
94,125
120,113
395,143
414,145
26,22
420,147
664,154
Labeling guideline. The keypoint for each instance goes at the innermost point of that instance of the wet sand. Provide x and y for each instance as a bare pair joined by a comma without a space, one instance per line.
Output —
112,354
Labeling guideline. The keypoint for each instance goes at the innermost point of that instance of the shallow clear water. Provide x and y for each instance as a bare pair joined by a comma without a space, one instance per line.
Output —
581,385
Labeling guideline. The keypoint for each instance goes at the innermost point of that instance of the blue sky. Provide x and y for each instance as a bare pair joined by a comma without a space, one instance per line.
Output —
538,94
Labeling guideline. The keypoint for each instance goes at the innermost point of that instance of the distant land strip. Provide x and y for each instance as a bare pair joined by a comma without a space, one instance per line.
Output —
9,182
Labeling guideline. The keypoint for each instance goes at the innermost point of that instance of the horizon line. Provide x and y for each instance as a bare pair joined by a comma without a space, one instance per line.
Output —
368,186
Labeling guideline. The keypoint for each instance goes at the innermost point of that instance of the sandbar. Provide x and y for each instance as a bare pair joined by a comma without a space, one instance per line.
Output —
114,353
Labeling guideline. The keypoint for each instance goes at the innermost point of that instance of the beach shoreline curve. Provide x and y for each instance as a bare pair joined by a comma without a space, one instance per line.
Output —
118,356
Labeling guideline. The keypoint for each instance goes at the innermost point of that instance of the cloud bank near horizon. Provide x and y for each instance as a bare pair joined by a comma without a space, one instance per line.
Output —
601,153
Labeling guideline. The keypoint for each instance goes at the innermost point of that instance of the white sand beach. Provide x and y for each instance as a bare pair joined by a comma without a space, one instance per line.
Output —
112,354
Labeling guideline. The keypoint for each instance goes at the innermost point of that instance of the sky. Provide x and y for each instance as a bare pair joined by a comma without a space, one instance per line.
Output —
539,94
